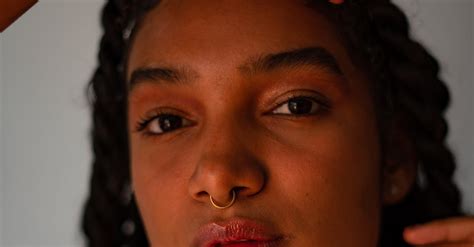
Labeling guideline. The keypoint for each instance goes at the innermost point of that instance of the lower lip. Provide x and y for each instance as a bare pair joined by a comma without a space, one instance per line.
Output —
242,245
247,244
250,244
228,234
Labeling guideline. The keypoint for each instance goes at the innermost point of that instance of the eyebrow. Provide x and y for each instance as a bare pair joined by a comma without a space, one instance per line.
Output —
310,56
160,74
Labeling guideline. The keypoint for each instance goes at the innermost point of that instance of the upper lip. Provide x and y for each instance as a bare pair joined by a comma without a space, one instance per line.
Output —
236,230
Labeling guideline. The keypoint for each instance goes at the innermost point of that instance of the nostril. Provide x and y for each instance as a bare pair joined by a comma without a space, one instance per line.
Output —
243,191
202,194
220,179
239,189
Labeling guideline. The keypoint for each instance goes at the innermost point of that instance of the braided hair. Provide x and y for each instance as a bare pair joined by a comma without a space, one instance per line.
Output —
406,83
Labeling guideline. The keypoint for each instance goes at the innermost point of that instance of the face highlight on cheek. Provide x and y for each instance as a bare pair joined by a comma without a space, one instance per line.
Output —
293,136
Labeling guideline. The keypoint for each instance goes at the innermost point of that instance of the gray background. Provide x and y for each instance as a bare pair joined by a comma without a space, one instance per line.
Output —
48,55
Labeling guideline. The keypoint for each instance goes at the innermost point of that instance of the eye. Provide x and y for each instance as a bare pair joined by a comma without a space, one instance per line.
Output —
299,105
162,123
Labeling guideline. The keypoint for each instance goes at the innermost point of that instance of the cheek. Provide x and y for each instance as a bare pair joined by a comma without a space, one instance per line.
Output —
160,190
330,178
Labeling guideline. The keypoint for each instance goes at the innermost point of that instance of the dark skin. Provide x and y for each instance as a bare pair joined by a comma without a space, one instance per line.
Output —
454,232
237,129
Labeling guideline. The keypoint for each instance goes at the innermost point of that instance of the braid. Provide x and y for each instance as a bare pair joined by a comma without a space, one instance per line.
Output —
109,211
406,83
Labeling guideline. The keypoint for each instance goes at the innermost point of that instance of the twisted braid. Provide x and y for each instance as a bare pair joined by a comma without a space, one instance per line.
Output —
107,208
406,83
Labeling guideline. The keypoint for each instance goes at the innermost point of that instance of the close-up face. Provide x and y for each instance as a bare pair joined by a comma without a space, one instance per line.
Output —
260,99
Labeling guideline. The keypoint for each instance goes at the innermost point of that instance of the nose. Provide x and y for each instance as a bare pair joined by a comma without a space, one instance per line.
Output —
226,166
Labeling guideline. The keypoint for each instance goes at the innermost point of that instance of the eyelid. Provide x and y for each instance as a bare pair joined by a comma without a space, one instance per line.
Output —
310,94
313,101
143,122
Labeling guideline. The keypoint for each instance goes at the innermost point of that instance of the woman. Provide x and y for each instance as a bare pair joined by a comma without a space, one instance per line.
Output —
269,123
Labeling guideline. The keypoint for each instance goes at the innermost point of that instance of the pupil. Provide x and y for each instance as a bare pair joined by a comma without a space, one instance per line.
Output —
300,106
170,122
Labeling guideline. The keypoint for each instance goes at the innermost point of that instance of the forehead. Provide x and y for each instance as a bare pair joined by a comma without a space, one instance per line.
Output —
198,33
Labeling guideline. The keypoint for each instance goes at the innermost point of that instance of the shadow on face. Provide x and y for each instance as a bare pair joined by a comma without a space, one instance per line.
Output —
258,98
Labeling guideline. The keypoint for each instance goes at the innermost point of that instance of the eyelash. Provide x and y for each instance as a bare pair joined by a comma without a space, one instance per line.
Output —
321,101
144,122
322,104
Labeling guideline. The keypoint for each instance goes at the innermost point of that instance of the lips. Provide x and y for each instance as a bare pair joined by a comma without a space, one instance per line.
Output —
237,233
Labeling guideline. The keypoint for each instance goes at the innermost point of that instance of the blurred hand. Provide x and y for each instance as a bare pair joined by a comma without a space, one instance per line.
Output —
10,10
451,232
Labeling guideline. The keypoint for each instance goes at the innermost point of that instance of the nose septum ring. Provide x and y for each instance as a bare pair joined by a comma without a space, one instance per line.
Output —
214,204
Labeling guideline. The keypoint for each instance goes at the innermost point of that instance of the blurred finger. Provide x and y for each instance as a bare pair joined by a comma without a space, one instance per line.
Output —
459,229
446,245
10,10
